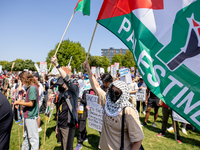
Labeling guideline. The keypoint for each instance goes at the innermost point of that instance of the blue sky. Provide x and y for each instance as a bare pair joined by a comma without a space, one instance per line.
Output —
29,29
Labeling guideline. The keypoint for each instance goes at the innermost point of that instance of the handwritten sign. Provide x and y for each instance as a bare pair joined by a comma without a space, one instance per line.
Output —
141,95
43,67
95,112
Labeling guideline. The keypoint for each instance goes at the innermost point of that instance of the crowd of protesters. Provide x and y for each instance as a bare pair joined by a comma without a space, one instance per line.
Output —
29,93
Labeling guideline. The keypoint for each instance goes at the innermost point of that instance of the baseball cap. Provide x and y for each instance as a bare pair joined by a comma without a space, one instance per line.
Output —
36,75
59,81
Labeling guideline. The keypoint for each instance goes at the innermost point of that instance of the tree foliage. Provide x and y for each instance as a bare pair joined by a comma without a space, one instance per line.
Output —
99,61
67,49
20,65
126,60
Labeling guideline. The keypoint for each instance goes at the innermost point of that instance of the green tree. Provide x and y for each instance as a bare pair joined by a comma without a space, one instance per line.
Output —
128,60
118,58
67,49
105,63
5,65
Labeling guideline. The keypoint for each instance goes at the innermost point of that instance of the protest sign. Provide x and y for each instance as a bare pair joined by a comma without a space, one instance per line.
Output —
54,71
125,75
102,70
43,67
123,72
117,66
87,84
176,117
97,72
108,70
0,68
95,112
93,70
141,95
112,70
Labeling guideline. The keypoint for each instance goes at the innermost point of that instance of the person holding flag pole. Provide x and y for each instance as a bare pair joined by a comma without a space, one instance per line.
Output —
84,7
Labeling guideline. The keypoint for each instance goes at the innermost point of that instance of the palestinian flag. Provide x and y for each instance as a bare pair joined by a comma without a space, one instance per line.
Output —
164,37
83,6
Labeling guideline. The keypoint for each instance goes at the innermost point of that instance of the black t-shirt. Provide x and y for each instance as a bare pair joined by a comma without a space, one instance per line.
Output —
62,113
153,96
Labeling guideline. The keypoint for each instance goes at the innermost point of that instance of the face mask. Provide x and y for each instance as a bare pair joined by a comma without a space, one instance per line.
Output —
61,89
114,95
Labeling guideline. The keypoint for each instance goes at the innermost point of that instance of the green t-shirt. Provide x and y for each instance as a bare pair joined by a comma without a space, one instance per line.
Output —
31,112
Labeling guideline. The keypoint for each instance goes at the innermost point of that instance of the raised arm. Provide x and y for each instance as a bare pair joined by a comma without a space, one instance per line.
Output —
94,83
71,86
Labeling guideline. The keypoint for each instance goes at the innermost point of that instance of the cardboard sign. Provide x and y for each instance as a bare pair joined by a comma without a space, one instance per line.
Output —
93,70
117,66
125,75
55,71
95,112
43,67
102,70
141,95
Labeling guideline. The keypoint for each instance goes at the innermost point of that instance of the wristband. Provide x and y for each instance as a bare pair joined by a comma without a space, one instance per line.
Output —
58,66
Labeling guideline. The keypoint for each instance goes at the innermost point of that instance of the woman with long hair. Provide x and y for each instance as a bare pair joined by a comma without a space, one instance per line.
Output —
30,111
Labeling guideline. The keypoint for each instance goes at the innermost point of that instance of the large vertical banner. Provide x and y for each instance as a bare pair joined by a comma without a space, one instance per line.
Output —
43,67
164,37
95,112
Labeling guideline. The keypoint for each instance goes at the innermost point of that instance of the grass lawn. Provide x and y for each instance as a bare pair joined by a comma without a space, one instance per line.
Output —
150,142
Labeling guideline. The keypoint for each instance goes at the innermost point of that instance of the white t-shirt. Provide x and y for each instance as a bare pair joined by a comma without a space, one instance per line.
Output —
132,87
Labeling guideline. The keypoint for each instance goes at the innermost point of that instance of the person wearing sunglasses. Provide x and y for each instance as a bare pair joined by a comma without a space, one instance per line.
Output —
114,100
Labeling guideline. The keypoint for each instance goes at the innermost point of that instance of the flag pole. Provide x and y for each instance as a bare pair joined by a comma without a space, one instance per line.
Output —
91,41
62,37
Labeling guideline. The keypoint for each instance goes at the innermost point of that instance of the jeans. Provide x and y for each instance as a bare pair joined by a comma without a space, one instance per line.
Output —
31,135
18,113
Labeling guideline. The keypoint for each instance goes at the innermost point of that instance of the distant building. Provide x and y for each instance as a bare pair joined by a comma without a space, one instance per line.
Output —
109,53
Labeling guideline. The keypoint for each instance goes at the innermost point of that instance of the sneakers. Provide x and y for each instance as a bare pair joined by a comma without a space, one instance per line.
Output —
18,121
39,129
21,124
86,139
160,134
144,124
170,129
78,147
144,113
184,131
154,125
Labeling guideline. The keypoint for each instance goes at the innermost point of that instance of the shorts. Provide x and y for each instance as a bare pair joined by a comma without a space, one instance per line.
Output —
153,102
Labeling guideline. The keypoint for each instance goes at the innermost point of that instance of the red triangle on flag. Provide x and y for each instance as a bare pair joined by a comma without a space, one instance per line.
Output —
114,8
195,24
